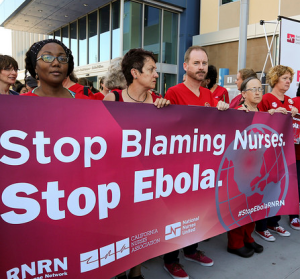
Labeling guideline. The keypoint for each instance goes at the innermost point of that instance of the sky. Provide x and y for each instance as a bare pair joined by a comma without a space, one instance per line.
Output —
5,35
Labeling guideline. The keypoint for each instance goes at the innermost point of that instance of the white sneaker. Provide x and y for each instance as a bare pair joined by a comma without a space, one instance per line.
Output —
295,224
280,230
266,235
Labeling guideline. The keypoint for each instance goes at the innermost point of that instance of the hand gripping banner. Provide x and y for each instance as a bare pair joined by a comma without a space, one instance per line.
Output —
90,188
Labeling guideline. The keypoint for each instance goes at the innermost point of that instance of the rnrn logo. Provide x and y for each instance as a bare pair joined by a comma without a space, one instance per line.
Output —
290,38
108,254
172,231
39,267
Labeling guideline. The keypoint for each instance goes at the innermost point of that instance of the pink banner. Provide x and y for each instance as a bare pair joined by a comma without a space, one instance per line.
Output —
90,188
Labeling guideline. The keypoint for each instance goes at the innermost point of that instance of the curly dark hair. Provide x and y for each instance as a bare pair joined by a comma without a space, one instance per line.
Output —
31,56
135,59
212,74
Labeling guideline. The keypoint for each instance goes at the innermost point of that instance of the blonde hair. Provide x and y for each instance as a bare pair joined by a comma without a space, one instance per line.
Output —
276,72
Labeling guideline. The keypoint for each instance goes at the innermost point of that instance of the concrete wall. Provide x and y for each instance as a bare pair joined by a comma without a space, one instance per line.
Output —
229,15
209,16
290,8
226,55
219,31
263,10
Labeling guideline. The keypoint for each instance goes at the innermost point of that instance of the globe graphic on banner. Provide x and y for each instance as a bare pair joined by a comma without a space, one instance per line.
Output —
253,179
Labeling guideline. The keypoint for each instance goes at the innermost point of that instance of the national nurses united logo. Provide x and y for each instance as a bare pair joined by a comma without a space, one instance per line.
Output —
173,230
291,38
247,173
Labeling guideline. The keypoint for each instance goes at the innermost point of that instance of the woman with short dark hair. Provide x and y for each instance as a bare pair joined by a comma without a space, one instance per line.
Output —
139,69
8,74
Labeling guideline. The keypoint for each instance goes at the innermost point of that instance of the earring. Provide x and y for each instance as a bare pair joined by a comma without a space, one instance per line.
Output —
36,76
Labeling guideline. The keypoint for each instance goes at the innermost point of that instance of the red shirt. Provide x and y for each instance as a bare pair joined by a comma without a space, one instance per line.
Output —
181,95
269,101
221,94
235,101
79,89
119,92
77,96
297,103
98,96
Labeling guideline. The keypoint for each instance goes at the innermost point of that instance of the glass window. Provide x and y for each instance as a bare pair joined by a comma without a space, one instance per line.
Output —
104,38
170,38
152,27
94,79
132,31
57,35
169,80
50,36
93,38
157,85
65,36
82,41
73,41
228,1
115,29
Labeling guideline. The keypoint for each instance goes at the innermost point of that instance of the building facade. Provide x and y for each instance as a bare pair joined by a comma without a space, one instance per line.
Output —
99,31
219,31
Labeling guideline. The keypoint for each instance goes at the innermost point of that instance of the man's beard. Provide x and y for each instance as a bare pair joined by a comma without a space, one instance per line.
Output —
195,75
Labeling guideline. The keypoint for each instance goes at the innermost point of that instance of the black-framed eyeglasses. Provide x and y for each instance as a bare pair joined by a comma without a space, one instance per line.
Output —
50,58
254,89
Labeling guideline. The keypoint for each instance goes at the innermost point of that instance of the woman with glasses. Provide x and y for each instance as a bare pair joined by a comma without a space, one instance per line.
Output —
240,77
279,78
50,62
240,241
8,74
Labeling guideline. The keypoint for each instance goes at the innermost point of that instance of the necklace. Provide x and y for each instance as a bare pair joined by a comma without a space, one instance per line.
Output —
247,107
135,99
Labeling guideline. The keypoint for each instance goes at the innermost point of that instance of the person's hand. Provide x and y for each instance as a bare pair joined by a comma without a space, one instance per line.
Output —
281,110
271,111
294,111
222,105
161,102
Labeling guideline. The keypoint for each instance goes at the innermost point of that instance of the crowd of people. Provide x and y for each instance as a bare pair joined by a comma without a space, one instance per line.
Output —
49,64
